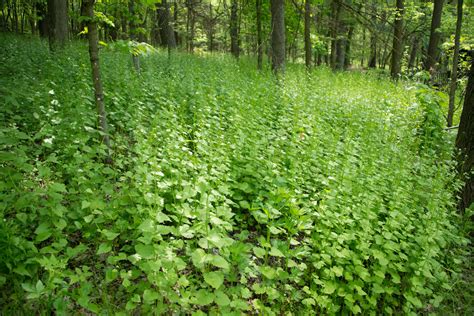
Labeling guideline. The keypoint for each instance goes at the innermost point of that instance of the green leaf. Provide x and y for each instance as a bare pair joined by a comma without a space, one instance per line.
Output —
221,298
259,252
145,251
43,232
275,252
203,297
329,287
219,262
104,248
149,296
268,272
214,279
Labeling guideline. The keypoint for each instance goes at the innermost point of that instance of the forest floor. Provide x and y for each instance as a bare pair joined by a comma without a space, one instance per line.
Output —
229,192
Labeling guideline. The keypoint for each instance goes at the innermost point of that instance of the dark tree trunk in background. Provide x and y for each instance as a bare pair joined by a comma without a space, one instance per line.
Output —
454,72
259,34
278,35
234,29
175,19
413,52
397,47
57,23
335,11
165,25
373,51
432,55
133,34
465,143
42,16
93,38
190,24
307,33
347,59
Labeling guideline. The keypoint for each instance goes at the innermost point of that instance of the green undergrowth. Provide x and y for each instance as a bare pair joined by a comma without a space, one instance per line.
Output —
229,192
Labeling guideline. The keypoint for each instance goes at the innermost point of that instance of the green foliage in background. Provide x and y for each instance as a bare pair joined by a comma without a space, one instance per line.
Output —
229,192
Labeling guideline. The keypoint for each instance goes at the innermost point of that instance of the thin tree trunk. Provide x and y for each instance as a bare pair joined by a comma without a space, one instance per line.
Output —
278,35
133,34
234,31
307,33
347,59
465,143
454,72
413,51
259,34
397,48
92,36
335,11
432,56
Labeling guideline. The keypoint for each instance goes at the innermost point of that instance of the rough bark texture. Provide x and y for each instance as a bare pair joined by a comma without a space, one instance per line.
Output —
93,38
465,143
397,47
259,34
234,29
278,35
165,25
432,55
454,72
57,23
307,33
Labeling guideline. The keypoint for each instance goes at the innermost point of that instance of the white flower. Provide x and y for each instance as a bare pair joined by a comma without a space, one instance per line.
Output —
51,92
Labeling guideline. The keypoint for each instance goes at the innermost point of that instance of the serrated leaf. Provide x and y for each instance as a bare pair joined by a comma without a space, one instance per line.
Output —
145,251
104,248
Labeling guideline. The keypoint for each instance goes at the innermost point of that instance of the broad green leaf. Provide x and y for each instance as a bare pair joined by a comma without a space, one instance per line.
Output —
214,279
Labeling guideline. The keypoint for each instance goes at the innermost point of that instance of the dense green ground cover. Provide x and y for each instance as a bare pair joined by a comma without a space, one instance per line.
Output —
228,192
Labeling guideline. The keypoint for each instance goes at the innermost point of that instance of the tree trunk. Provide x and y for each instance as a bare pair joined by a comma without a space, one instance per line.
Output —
432,56
42,16
259,34
278,35
57,23
133,33
307,33
347,59
335,12
190,23
373,50
397,48
413,51
234,31
454,72
465,143
165,25
92,36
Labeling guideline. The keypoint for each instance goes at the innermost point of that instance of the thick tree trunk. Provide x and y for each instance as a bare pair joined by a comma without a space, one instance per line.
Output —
454,72
92,36
432,56
165,25
234,29
307,33
397,48
465,143
278,35
259,34
57,23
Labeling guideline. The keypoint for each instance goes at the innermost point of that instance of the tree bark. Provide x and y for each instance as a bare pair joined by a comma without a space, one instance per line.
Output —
465,143
413,52
335,11
57,23
454,72
165,25
432,55
234,30
307,33
92,36
278,35
259,34
397,48
347,58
